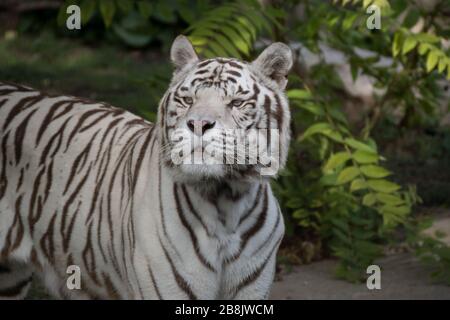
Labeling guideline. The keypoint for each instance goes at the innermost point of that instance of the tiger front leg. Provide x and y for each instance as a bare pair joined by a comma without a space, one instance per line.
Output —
257,285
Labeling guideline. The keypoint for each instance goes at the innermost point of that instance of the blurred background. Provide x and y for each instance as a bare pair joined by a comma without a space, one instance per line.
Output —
368,176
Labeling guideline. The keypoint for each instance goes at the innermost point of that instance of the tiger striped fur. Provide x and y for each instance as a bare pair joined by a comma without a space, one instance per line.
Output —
87,184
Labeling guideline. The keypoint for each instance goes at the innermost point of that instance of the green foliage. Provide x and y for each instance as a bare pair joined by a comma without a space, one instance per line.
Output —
427,46
137,23
230,30
352,205
430,249
102,73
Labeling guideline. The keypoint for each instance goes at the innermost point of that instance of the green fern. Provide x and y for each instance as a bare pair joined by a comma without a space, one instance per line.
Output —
382,4
230,30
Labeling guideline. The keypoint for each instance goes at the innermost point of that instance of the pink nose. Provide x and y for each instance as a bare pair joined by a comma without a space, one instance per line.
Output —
197,126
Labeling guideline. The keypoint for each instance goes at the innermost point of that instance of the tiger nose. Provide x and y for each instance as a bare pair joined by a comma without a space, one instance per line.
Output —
197,126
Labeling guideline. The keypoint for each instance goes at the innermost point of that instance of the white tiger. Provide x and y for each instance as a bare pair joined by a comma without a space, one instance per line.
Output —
83,183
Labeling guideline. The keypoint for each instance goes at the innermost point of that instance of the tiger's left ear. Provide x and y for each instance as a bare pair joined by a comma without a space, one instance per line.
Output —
275,62
182,52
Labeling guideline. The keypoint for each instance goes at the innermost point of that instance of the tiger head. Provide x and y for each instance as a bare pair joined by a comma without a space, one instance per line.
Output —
224,118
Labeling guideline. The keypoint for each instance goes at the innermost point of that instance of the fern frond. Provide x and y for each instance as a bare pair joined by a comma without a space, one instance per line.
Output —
230,30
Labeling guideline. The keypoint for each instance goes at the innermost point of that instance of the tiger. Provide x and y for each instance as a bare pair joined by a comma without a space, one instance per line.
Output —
92,190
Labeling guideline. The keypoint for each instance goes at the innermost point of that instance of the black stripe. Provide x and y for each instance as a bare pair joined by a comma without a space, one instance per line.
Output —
2,102
50,117
268,110
271,234
254,229
19,136
16,290
181,282
188,227
252,208
154,282
204,63
192,209
4,269
21,106
255,275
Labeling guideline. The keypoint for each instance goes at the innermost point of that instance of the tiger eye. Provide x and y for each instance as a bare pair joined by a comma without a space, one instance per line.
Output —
188,100
236,103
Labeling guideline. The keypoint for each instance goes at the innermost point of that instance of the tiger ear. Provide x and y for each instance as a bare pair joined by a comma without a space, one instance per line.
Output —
275,62
182,52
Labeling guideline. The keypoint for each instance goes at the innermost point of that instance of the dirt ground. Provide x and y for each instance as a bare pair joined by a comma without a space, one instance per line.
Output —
402,277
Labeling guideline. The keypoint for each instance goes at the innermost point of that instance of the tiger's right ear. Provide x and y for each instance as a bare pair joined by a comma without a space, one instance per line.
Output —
182,52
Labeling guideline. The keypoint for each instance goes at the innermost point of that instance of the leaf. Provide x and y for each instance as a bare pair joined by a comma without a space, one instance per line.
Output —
389,199
337,115
132,39
373,171
237,40
342,236
294,203
299,94
398,211
396,44
369,199
164,11
358,145
366,3
145,8
340,223
358,184
107,9
432,60
234,27
334,135
348,21
87,8
423,48
364,157
336,160
217,49
315,128
328,179
409,44
382,185
310,107
124,6
227,45
442,64
347,175
427,37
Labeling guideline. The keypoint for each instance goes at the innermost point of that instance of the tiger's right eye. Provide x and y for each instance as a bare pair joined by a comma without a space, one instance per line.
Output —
188,100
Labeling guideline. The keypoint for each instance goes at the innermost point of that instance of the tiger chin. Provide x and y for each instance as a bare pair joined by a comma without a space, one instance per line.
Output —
100,204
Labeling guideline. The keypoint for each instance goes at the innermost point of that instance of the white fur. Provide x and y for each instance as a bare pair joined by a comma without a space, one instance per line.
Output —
140,246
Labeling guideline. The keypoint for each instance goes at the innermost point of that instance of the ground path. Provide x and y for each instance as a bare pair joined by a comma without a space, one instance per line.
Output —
402,277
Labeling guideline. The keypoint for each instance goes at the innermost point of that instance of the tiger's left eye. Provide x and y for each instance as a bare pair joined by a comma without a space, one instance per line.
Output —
188,100
236,103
